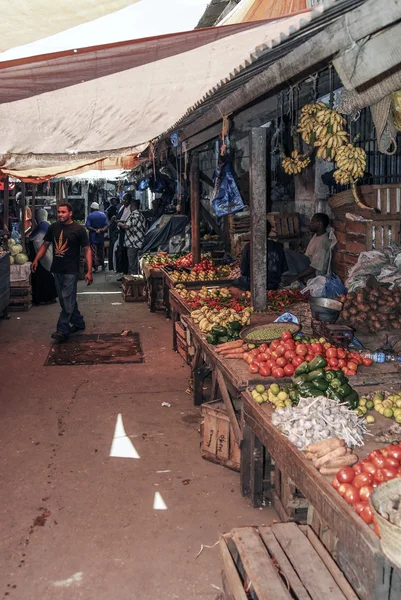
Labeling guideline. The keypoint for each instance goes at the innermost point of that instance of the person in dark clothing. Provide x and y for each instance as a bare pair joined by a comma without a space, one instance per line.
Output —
121,254
43,286
97,224
276,263
111,214
67,239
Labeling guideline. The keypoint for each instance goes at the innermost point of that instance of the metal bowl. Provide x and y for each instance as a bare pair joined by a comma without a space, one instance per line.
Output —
325,309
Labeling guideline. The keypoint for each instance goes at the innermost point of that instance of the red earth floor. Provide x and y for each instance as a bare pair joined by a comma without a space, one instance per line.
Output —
79,524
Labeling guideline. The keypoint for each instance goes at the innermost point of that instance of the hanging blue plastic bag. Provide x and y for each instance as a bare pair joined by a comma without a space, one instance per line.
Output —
334,286
287,317
227,199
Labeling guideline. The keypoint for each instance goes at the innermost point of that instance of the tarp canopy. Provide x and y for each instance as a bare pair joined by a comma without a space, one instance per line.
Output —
123,110
28,20
258,10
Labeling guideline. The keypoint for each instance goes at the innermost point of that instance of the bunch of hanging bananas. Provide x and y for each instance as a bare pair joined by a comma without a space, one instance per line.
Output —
352,160
307,122
329,133
342,177
294,164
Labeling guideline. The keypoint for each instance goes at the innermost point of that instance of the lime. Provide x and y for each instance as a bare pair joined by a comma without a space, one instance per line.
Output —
398,403
288,402
260,388
362,401
283,396
275,388
370,419
387,403
381,409
363,410
398,418
369,404
378,406
378,396
280,405
388,413
265,396
259,399
359,412
322,340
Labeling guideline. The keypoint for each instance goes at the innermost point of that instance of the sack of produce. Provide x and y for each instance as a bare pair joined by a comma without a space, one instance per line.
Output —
386,504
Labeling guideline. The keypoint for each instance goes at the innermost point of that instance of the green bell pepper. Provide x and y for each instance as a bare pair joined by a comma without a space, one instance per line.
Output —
300,379
294,396
330,375
340,375
235,325
222,339
317,363
303,368
320,384
335,384
352,399
316,374
345,389
219,331
211,339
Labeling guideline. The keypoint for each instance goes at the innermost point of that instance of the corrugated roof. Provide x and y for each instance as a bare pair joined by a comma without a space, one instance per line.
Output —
285,39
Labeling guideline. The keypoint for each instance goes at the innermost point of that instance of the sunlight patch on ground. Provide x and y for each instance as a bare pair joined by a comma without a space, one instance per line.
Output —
121,446
158,503
75,579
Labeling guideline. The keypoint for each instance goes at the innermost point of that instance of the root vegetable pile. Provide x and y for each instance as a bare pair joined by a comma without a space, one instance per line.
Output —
355,484
372,309
318,419
329,455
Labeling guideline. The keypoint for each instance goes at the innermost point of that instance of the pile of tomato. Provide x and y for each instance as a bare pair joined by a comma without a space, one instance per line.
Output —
355,484
281,357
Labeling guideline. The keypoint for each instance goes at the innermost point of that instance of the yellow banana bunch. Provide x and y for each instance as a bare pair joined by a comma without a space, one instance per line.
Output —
352,160
342,177
311,109
332,140
325,153
294,164
329,116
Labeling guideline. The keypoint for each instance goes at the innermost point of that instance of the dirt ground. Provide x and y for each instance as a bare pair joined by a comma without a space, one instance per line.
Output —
77,523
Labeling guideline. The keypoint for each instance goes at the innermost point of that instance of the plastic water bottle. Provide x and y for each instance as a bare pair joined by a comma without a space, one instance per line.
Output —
381,357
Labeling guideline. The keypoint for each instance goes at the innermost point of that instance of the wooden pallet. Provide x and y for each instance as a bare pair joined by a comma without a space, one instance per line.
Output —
282,562
134,290
218,443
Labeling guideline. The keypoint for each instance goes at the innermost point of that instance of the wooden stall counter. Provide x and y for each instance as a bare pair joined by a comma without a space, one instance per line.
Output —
272,467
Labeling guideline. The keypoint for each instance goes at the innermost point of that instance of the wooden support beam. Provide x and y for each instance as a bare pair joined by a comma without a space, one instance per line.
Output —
257,195
304,60
6,205
195,209
22,214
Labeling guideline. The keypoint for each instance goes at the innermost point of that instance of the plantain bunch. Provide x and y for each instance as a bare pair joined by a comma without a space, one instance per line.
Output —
352,160
307,122
294,164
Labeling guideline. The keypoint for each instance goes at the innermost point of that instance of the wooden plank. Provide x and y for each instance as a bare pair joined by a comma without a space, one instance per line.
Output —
257,471
195,208
276,552
330,564
229,407
264,576
310,568
245,472
230,571
278,505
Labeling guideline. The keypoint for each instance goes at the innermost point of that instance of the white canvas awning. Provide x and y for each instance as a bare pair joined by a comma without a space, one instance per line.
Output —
125,110
28,20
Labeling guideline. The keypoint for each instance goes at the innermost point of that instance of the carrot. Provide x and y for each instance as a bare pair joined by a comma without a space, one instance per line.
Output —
341,451
325,446
233,344
238,355
343,461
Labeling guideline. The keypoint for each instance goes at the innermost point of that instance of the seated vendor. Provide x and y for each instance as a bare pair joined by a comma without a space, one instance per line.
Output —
318,252
276,263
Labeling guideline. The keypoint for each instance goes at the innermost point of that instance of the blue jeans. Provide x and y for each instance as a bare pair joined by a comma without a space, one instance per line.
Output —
66,286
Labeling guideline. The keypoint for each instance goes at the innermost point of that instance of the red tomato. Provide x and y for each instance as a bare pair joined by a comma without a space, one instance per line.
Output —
281,362
298,360
367,362
257,363
327,345
290,354
335,483
274,355
352,366
341,353
368,467
367,515
359,506
357,468
385,474
309,357
289,370
344,370
317,348
280,350
301,350
278,373
391,462
331,353
343,488
365,491
351,495
255,352
274,344
341,363
286,335
392,452
378,461
357,358
263,347
253,368
345,475
362,480
250,359
289,345
270,364
263,357
333,362
265,371
245,356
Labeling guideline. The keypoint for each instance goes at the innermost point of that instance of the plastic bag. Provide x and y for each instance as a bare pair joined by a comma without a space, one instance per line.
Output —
316,286
227,199
287,318
334,286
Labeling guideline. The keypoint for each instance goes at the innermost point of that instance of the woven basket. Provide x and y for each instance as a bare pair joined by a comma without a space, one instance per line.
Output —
390,534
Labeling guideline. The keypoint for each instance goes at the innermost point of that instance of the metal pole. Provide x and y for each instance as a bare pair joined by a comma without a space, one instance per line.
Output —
195,209
22,214
6,205
257,185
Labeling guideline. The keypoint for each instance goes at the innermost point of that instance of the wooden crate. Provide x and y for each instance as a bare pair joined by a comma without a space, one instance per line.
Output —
185,347
218,443
284,225
20,296
134,289
282,562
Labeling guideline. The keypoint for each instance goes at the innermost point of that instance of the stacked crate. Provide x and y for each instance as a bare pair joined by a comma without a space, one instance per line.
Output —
134,288
20,295
185,347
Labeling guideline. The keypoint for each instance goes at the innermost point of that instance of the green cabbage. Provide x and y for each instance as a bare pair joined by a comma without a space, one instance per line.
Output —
11,260
16,249
21,258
